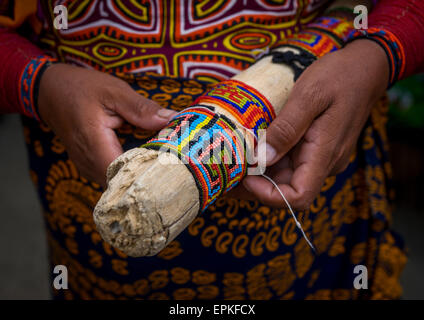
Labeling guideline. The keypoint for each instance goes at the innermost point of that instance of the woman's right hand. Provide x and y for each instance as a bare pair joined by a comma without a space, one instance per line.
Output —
83,107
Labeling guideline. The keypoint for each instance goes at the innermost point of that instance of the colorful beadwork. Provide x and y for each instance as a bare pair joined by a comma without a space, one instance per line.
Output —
327,34
337,28
211,147
246,104
391,45
315,42
210,144
29,82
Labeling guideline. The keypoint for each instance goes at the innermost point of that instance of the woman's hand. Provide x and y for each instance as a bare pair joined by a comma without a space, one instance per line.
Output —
315,134
83,107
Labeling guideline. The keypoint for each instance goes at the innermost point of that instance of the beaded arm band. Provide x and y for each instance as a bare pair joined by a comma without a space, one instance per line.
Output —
324,35
246,104
29,84
210,144
391,45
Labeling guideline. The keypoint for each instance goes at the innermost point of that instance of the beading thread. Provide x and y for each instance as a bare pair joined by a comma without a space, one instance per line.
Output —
325,35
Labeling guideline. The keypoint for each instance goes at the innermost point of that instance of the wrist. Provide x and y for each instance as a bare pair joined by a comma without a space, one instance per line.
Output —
373,60
45,90
393,49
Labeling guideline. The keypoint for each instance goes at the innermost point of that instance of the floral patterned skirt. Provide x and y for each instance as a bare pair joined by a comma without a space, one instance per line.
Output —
236,249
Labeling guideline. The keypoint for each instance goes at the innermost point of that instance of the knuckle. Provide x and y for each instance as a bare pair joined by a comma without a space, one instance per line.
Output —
343,167
340,167
262,198
285,132
338,155
139,108
123,85
116,83
313,94
144,105
303,200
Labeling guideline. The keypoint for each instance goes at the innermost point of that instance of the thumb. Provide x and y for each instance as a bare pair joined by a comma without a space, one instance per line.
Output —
142,112
291,123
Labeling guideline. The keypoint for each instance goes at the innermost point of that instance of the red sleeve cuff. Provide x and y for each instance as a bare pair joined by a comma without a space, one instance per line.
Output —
403,21
22,64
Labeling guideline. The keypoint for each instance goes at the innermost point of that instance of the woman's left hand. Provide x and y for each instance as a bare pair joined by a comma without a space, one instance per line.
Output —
315,134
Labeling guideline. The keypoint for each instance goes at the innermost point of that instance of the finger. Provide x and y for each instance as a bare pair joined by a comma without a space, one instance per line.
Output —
281,172
305,184
240,192
312,162
306,101
104,147
343,163
265,191
142,112
262,189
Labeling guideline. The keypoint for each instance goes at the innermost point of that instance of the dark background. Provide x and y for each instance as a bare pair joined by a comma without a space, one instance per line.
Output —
24,273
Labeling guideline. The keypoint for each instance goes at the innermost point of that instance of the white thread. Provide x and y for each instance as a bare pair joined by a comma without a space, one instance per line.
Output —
196,107
298,225
291,211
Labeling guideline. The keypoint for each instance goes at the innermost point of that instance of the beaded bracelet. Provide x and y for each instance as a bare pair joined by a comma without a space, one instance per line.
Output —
29,84
391,45
326,34
337,28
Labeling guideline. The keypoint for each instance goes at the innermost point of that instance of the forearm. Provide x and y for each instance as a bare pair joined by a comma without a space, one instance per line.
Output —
22,64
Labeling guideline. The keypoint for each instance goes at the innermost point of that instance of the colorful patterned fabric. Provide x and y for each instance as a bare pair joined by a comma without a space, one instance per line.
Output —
337,28
211,146
236,249
325,35
391,45
204,40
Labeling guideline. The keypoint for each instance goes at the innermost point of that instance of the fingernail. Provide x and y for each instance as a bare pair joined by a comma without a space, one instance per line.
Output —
270,153
165,113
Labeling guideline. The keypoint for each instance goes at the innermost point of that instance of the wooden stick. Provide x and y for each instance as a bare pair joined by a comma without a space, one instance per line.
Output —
147,203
